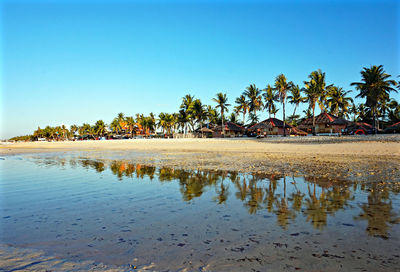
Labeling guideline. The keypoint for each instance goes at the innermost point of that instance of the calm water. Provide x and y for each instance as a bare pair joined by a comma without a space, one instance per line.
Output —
122,214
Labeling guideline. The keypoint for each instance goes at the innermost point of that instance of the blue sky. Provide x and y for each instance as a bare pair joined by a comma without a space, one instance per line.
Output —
69,62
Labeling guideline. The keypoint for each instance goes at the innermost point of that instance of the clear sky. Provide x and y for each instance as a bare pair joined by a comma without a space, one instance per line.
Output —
69,62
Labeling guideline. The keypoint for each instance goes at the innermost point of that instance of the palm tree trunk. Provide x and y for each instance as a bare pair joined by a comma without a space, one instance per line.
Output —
313,121
222,126
284,126
374,118
244,117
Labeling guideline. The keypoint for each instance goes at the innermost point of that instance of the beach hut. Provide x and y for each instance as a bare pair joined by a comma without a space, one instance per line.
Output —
395,128
360,128
205,132
274,126
339,125
323,123
230,130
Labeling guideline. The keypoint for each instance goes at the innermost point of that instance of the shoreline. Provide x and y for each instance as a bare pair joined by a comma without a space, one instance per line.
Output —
372,159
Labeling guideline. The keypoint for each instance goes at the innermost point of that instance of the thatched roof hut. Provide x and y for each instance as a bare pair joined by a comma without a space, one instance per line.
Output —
229,126
341,121
206,130
274,126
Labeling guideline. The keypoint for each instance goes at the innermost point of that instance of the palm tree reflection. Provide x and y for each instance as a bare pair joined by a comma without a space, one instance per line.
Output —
314,198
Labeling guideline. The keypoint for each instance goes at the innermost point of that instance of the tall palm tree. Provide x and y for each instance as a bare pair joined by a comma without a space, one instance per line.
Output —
255,99
338,103
375,85
222,104
295,97
270,97
315,89
283,86
242,106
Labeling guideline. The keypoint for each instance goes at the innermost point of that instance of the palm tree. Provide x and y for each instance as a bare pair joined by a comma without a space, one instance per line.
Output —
161,121
130,122
394,111
233,117
283,86
151,122
187,101
197,110
338,103
38,133
212,114
295,98
315,89
100,127
222,102
242,106
121,118
182,119
73,129
354,111
255,99
375,85
115,126
270,98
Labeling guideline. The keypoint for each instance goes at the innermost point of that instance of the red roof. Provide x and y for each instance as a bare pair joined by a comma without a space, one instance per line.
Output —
395,124
323,118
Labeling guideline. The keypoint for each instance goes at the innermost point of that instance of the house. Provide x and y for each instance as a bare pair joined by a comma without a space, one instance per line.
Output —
395,128
323,123
230,130
360,128
204,132
273,126
339,125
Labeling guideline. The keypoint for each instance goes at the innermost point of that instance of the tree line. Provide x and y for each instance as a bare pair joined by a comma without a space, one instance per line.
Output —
375,87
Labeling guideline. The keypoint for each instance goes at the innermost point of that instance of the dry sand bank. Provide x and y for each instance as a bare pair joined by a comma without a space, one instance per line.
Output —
380,146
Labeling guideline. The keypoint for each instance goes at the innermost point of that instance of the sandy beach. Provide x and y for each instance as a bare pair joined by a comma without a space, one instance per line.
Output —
344,157
366,146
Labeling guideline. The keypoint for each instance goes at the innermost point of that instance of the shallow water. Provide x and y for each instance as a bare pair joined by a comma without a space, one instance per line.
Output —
120,214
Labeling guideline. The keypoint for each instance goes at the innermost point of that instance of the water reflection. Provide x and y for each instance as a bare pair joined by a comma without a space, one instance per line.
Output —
287,197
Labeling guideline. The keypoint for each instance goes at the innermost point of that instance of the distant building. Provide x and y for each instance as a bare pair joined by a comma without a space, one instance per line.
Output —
274,126
230,130
323,123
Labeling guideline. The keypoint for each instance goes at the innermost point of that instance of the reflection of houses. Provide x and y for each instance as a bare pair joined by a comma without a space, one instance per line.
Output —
273,126
323,123
230,130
